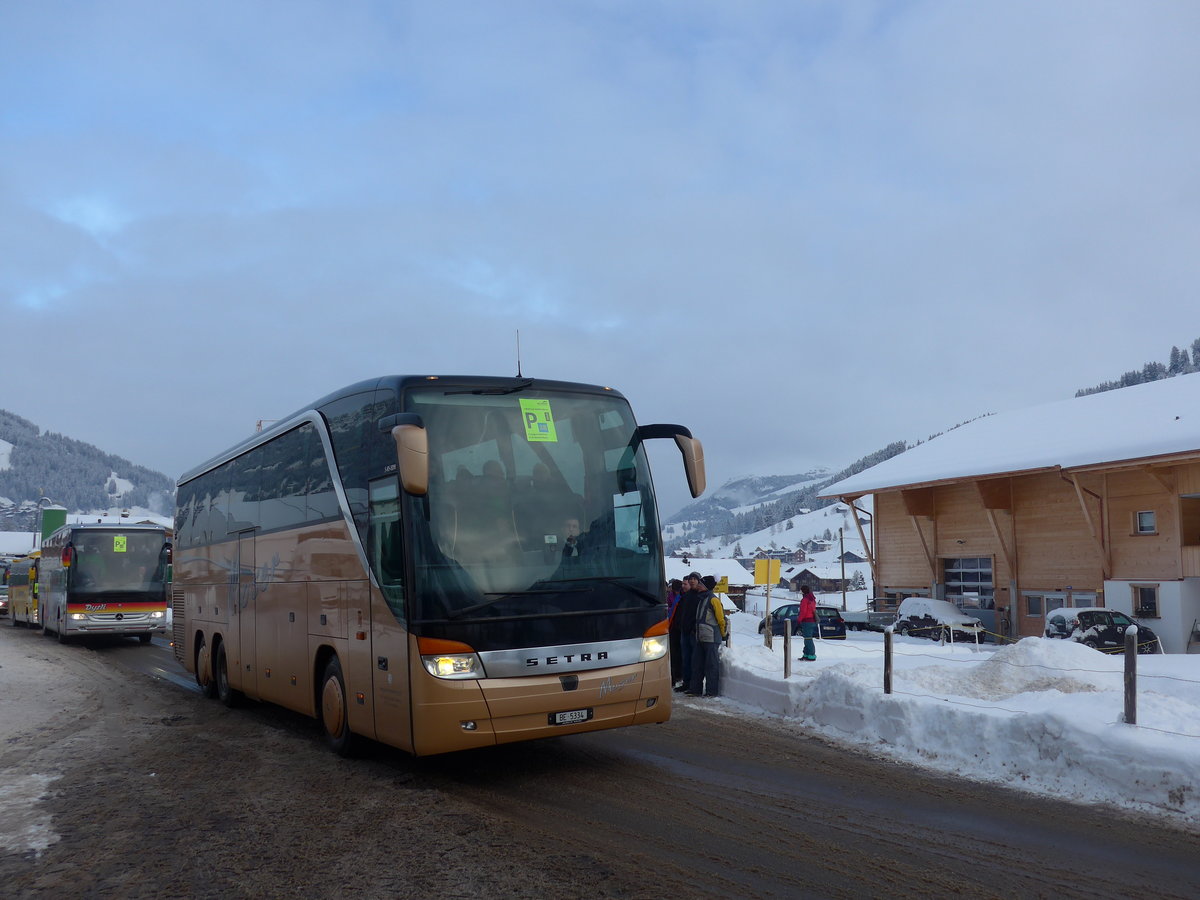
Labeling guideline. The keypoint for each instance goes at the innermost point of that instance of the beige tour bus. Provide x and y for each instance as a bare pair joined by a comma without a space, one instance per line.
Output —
434,562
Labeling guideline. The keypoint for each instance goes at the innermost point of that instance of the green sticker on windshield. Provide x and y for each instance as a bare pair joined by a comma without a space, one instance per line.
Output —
119,543
539,420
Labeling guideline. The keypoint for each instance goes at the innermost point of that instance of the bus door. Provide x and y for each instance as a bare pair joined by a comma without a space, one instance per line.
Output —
247,594
389,634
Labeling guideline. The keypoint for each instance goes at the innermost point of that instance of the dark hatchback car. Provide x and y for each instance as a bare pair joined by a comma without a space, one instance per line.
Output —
1100,628
832,626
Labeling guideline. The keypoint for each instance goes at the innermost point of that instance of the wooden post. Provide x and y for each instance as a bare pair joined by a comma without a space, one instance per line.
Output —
887,660
767,642
787,649
1131,675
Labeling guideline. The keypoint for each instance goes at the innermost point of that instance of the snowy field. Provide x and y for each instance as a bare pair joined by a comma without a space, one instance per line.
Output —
1043,715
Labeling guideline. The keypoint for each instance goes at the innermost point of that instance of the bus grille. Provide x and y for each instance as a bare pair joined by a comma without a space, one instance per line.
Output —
178,599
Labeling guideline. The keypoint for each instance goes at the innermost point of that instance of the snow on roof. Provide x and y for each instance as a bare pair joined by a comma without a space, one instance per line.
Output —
1146,420
16,543
717,568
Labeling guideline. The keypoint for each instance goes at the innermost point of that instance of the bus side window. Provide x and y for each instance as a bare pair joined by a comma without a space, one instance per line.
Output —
385,543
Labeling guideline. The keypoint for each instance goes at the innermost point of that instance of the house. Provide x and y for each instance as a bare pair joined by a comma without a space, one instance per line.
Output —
822,579
1093,501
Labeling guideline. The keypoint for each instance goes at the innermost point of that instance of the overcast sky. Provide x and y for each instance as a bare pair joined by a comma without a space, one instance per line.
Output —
805,230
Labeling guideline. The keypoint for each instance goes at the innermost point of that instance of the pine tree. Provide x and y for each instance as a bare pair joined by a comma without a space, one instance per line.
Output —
1178,361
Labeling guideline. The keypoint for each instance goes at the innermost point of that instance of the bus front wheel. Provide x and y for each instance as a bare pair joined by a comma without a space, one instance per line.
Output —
335,710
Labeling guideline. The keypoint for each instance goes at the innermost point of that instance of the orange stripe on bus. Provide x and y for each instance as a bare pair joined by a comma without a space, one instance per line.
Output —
436,646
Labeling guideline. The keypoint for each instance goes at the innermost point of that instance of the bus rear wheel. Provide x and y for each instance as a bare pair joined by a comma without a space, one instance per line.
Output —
225,692
204,677
335,709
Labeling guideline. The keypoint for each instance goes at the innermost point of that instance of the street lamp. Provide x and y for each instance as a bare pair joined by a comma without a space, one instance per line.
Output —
37,534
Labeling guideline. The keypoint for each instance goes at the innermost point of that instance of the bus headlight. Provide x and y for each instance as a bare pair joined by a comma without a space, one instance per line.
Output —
157,614
457,665
654,647
78,617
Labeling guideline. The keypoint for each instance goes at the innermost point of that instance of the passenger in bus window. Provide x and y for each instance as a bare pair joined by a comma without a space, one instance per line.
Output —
572,541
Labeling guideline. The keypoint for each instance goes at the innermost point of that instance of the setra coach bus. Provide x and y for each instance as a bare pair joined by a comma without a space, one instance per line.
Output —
104,579
434,562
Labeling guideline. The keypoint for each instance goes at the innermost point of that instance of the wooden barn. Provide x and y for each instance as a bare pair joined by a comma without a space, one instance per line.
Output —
1093,501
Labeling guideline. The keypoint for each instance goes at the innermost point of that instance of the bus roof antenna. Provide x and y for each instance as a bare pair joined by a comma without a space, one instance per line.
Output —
518,352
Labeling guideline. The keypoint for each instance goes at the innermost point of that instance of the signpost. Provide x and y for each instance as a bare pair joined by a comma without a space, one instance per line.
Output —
766,571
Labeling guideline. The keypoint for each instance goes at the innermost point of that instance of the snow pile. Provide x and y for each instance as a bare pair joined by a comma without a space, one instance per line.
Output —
1044,715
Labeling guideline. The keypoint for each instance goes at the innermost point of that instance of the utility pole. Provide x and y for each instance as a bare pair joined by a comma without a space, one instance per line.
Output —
842,547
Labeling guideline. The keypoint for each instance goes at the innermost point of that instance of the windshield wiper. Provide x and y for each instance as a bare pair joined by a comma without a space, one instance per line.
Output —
497,598
619,581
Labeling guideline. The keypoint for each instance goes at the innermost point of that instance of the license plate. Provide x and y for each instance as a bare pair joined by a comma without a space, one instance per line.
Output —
571,717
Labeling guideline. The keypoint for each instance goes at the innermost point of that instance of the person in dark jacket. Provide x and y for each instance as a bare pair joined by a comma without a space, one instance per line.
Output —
674,594
686,614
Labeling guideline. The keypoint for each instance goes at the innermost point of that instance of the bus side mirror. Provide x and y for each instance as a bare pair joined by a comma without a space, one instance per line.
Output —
693,463
412,450
412,455
690,447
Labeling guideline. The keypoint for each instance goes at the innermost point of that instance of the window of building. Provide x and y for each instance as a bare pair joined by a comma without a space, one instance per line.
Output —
1146,522
1035,605
968,582
1145,601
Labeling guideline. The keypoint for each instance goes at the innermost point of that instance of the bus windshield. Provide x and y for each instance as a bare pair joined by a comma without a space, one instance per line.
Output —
117,561
539,505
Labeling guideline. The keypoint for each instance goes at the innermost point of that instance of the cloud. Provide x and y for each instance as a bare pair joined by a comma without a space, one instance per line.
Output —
816,227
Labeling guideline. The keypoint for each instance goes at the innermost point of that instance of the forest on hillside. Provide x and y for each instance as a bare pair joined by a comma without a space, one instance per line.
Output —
72,474
1179,362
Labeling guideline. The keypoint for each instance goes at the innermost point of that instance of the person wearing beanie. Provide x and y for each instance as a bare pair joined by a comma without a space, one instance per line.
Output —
711,629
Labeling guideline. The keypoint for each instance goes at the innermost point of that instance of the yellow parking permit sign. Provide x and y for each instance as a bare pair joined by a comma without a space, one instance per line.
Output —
120,543
539,420
766,571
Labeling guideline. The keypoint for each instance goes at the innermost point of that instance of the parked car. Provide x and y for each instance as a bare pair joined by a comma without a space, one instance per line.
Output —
833,626
937,619
780,616
1099,628
829,619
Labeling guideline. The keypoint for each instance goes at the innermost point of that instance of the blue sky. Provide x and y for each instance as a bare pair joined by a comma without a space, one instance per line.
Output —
803,229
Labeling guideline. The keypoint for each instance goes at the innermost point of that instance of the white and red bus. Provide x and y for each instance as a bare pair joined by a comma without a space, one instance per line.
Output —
104,579
436,563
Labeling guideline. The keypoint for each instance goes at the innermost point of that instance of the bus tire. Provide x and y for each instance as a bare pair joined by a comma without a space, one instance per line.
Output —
225,692
144,638
62,638
335,709
204,677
